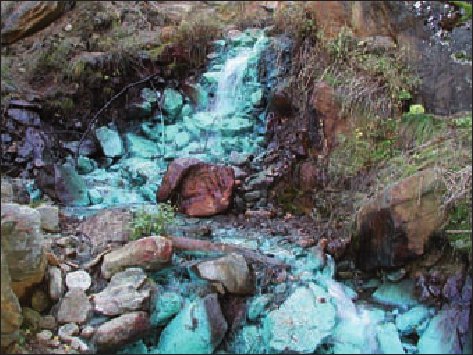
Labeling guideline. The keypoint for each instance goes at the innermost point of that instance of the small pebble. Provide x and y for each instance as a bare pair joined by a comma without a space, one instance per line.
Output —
68,27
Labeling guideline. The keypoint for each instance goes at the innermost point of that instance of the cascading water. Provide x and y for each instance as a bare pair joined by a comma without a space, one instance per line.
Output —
227,118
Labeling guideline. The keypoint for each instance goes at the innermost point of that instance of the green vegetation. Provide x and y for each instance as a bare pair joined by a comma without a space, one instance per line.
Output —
146,223
459,226
466,8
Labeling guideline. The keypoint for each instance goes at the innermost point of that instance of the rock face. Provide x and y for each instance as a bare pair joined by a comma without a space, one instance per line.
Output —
121,330
22,19
150,253
11,317
301,322
74,307
201,189
231,270
123,294
111,226
22,243
395,225
197,329
328,109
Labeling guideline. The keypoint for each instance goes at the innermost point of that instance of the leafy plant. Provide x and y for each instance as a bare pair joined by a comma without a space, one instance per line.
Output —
146,223
417,128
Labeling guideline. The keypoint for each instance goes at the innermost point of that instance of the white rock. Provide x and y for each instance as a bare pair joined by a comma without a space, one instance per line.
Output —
68,27
78,279
44,335
67,330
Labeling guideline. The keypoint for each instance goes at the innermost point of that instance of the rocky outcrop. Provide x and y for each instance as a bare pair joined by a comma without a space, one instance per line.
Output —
201,189
197,329
22,244
121,330
395,225
150,253
231,270
22,19
123,294
11,317
109,227
49,218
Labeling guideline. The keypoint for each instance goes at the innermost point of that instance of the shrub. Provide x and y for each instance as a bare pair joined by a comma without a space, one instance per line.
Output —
146,223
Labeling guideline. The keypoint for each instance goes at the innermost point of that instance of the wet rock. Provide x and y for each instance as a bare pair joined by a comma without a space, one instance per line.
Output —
300,324
11,316
74,307
47,322
111,226
388,339
123,293
396,276
78,280
172,102
441,336
409,321
49,218
22,245
110,142
150,253
22,19
167,304
85,165
231,270
399,294
56,284
39,300
141,147
394,226
198,328
121,330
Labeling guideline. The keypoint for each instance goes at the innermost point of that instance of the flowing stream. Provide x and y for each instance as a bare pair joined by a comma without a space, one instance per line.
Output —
310,311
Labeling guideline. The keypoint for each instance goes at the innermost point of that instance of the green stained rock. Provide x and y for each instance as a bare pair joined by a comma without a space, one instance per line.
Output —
31,318
186,110
257,306
167,305
248,341
182,139
140,147
300,324
197,329
441,336
399,294
95,197
256,97
85,165
408,322
172,102
388,339
110,142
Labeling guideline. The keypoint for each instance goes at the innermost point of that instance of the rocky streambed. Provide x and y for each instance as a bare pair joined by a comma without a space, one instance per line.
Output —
254,279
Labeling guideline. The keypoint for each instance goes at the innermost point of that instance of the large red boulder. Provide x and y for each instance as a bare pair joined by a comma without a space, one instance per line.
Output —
200,189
